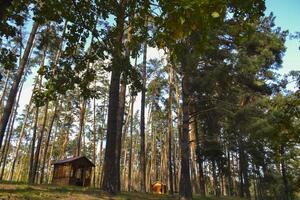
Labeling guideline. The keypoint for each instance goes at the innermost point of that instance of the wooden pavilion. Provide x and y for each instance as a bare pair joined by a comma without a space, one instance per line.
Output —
73,171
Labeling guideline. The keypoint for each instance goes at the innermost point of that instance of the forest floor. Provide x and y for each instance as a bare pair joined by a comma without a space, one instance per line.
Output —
18,191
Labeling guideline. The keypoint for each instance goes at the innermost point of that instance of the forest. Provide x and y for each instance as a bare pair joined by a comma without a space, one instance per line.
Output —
211,116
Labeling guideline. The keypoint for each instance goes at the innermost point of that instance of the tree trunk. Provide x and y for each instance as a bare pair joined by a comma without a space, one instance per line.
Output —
38,147
31,177
201,166
179,119
174,155
100,158
120,121
110,182
142,126
47,144
4,90
110,176
284,174
194,142
185,189
49,174
197,158
94,141
130,144
230,185
153,151
246,178
10,132
14,89
143,96
215,179
81,127
241,161
170,130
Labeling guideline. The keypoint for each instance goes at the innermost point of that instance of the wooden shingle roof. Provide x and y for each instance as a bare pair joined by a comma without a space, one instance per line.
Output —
73,159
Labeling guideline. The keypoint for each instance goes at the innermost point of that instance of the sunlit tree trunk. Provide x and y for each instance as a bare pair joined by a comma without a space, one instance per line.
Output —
39,144
193,146
49,171
101,135
130,146
47,144
31,176
34,156
153,151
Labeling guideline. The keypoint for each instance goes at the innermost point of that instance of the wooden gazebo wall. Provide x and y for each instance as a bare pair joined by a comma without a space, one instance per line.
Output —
61,174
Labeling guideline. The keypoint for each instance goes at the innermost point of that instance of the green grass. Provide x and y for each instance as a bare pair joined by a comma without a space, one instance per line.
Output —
20,191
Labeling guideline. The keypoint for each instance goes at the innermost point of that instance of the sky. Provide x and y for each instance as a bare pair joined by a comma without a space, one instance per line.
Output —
287,14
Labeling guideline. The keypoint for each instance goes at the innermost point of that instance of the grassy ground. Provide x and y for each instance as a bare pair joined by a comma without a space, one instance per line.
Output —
44,192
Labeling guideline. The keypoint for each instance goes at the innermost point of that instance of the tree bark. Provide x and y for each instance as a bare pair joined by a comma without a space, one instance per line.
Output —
241,161
179,118
35,156
47,144
4,89
143,97
194,142
142,125
49,175
10,132
81,127
284,174
31,176
94,141
120,121
110,182
170,130
230,185
198,158
14,89
185,189
215,179
39,144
